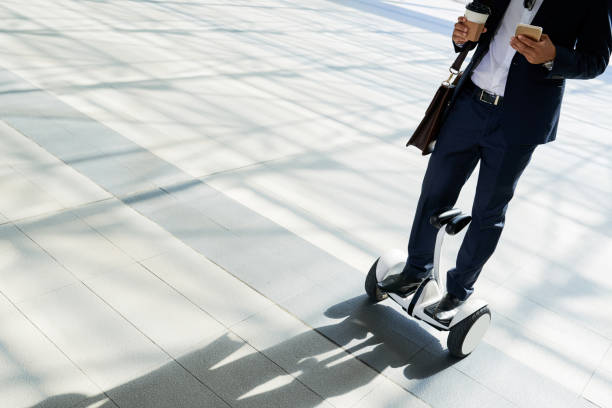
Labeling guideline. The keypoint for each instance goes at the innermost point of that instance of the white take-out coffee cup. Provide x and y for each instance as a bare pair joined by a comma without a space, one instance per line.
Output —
476,14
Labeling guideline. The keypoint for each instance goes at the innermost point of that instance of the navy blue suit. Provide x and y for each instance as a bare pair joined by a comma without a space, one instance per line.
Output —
581,34
503,137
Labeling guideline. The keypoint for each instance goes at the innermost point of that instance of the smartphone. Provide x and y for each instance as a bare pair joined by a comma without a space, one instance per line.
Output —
531,31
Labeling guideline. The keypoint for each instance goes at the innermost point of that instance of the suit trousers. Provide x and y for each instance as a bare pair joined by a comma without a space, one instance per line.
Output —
472,132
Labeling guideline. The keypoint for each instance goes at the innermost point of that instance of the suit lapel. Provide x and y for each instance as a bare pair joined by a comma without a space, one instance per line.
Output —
499,9
544,12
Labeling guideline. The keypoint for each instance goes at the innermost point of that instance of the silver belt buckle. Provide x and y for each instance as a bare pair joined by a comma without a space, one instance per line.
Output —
483,92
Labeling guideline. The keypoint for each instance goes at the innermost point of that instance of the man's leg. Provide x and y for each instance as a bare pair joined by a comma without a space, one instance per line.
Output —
449,167
451,164
500,170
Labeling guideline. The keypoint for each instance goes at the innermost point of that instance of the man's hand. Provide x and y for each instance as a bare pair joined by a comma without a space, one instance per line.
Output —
461,31
536,52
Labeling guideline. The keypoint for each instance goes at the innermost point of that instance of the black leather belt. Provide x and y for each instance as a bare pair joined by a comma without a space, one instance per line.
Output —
482,95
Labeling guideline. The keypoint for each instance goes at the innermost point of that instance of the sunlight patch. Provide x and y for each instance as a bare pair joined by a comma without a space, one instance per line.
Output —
242,352
273,384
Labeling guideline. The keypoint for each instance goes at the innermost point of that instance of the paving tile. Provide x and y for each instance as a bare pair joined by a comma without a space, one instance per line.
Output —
344,314
104,345
103,139
110,174
280,252
150,202
584,403
432,378
382,335
562,259
50,174
599,389
157,310
18,150
188,225
195,192
99,153
74,244
606,363
168,386
568,293
261,263
98,401
324,367
136,235
11,239
21,198
32,370
217,206
515,381
64,184
69,400
35,100
245,378
159,172
26,271
315,225
543,340
312,305
207,285
390,395
50,135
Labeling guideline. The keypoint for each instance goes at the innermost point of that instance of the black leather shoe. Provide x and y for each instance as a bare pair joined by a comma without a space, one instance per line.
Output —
400,284
447,308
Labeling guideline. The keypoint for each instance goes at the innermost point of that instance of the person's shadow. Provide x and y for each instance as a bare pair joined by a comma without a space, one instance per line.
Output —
378,335
397,339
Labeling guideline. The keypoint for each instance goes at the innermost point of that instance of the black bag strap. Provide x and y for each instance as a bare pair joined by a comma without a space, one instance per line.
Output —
456,67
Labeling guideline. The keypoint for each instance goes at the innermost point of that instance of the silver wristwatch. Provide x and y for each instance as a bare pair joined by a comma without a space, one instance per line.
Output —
548,65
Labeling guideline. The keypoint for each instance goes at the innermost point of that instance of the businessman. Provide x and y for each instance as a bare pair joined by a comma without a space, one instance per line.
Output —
507,103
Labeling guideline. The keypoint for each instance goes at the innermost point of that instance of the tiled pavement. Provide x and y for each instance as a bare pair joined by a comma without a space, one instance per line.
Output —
193,191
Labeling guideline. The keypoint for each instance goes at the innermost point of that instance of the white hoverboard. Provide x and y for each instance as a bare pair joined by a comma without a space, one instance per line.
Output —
471,320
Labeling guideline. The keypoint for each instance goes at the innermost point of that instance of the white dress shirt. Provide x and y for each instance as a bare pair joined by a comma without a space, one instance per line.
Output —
492,72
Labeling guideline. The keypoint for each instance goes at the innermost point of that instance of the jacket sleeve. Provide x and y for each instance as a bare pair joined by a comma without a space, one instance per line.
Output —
593,46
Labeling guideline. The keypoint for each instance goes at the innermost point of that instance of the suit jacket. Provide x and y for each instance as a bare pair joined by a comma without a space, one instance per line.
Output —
582,34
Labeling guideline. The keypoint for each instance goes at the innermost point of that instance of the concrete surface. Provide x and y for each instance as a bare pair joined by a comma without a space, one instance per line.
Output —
192,193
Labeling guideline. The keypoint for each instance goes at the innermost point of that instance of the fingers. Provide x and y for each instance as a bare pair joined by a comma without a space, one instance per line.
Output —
460,32
536,52
530,53
461,28
527,41
520,46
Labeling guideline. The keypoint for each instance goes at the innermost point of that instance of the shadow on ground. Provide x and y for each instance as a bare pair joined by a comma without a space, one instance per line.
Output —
235,374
